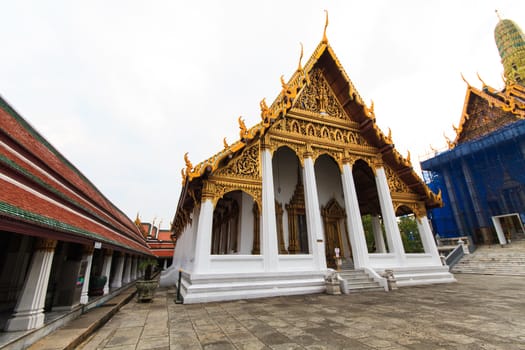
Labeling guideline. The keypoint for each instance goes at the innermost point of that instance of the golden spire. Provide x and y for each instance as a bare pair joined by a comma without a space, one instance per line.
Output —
300,68
325,39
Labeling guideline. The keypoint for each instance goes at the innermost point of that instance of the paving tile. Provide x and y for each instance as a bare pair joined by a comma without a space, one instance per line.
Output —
153,344
478,312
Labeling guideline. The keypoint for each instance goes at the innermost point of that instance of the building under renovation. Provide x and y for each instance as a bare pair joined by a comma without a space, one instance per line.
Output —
481,176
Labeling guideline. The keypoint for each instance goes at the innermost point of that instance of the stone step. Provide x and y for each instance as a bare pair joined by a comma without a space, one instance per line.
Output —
494,260
359,281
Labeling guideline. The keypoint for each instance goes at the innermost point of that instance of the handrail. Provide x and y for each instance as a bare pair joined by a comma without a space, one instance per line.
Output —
454,256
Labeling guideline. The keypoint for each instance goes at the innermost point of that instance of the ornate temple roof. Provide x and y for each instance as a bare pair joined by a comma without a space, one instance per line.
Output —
348,98
43,194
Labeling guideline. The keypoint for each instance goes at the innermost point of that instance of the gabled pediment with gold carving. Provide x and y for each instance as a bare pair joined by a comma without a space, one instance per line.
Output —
487,110
317,96
244,166
318,111
243,173
395,184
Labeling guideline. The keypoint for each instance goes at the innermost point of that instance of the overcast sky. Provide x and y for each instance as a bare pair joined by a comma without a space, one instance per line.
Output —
124,88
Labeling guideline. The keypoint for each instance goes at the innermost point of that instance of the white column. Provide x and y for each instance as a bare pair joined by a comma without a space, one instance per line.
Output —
117,279
29,311
353,218
269,245
378,235
314,223
165,265
203,239
106,268
88,258
133,268
126,277
427,238
395,244
499,231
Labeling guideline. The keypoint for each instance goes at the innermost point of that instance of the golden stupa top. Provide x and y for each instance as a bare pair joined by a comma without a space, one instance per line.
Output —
497,107
511,47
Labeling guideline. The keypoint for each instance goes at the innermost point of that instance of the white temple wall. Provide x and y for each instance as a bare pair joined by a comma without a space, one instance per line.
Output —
297,262
236,263
382,260
245,242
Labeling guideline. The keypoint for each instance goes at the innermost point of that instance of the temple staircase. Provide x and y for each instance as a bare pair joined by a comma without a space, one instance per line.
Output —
495,260
359,281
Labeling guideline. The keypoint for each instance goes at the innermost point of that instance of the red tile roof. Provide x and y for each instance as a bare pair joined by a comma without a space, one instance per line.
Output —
40,186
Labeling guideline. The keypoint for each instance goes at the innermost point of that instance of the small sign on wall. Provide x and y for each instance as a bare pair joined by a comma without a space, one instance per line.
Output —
98,245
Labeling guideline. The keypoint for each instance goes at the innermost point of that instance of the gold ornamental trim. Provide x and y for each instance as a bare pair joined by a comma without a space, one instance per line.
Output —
46,244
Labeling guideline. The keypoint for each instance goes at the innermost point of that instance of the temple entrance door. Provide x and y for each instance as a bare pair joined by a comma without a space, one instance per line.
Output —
333,216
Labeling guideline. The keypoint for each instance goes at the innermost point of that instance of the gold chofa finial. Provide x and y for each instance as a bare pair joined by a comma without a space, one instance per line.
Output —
189,166
225,143
300,67
325,39
497,14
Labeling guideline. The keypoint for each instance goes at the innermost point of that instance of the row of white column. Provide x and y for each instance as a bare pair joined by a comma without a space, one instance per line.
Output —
29,310
269,242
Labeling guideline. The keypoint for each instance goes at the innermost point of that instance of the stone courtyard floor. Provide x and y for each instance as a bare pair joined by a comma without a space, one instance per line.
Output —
478,312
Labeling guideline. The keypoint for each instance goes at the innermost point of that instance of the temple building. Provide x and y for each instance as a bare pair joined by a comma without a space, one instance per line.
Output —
64,247
481,175
273,212
158,240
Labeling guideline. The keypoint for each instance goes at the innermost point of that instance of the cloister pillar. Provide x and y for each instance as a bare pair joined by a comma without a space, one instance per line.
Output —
203,239
87,258
133,268
389,216
29,311
126,277
378,235
268,237
117,279
106,268
353,217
